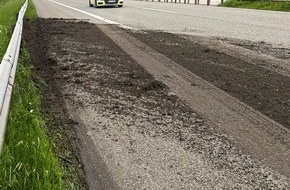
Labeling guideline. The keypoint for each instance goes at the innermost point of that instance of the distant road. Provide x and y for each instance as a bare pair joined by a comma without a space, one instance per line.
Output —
255,25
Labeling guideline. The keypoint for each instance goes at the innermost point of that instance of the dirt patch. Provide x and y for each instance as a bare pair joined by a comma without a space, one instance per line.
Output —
146,136
58,123
264,90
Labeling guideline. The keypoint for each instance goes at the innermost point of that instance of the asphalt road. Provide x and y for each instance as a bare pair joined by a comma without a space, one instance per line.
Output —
254,25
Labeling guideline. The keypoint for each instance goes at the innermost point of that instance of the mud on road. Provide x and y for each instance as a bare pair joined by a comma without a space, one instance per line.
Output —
263,89
129,130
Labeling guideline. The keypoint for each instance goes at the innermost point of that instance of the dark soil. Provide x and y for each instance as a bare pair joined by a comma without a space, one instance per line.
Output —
264,90
58,123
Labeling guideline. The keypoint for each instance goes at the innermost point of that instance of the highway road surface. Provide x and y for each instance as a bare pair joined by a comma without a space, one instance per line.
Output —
255,25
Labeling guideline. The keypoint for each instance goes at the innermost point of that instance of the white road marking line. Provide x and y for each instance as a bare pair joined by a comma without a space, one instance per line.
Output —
157,10
94,16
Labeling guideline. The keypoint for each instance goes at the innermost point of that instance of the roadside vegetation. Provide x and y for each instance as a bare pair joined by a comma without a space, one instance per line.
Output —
27,160
256,4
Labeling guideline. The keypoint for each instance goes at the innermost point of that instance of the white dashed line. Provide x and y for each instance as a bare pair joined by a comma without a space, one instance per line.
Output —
157,10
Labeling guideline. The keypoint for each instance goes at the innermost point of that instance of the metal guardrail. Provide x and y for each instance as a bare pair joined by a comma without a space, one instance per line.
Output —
208,2
7,71
196,2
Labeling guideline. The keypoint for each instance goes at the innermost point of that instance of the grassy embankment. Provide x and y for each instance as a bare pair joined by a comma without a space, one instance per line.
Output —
255,4
27,160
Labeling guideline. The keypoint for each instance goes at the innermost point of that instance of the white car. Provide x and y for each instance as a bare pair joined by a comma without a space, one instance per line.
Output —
105,3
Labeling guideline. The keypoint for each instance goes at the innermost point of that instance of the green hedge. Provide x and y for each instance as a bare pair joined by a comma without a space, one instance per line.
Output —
261,5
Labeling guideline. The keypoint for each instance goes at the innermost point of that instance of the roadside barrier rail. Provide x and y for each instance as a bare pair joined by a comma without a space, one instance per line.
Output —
7,71
196,2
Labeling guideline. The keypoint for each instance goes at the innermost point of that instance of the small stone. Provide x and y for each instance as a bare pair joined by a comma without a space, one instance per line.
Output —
158,122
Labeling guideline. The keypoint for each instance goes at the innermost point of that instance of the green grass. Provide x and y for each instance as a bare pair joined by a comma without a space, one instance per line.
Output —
30,11
8,13
3,2
27,160
7,19
262,5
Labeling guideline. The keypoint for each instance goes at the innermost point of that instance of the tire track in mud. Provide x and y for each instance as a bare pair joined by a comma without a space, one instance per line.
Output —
253,81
